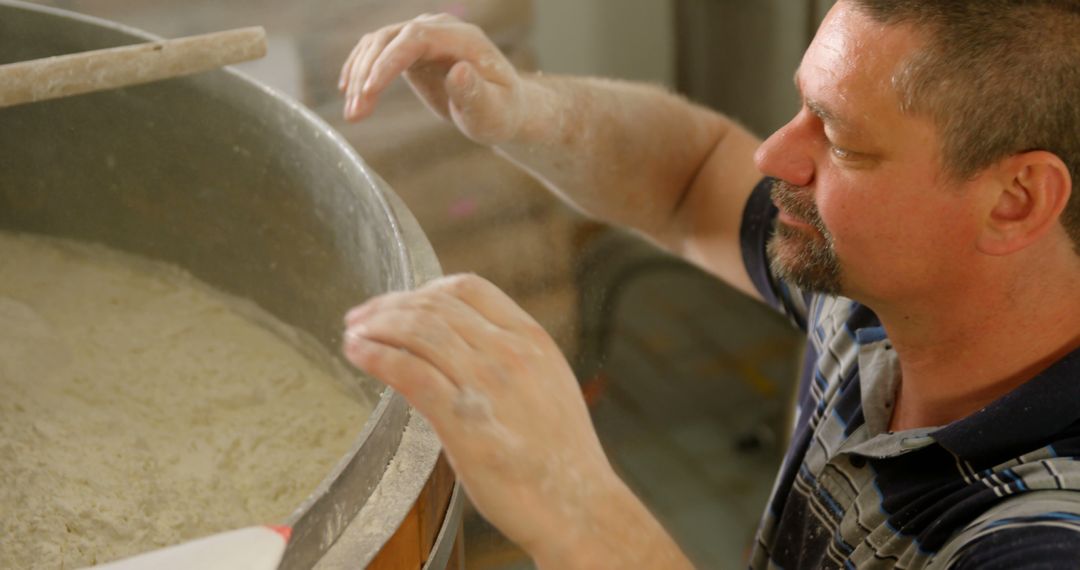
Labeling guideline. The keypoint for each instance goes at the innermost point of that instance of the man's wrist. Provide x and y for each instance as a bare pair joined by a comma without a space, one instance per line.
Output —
615,530
542,111
579,541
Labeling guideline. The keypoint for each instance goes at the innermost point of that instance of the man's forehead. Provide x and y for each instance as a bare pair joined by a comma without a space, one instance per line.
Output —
852,61
847,47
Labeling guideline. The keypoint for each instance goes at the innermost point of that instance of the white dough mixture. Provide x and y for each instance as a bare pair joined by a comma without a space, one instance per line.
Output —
139,408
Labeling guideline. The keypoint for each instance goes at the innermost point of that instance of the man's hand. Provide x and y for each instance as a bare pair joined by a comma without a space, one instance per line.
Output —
502,399
450,64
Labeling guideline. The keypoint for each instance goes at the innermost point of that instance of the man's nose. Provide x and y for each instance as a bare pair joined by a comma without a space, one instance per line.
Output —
786,155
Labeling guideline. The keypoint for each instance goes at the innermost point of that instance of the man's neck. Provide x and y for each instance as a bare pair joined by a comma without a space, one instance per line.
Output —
959,354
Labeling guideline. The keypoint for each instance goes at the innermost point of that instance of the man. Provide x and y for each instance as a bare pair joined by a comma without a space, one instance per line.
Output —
922,227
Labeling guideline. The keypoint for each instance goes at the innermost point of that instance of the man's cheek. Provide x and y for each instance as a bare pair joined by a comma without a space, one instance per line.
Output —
835,215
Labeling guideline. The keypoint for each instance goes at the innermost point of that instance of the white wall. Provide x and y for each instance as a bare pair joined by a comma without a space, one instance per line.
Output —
741,54
629,39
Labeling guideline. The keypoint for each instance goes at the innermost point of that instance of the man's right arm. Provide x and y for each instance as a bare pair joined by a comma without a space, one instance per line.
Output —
628,154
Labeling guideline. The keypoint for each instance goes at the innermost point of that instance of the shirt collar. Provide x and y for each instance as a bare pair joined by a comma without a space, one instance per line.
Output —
1022,420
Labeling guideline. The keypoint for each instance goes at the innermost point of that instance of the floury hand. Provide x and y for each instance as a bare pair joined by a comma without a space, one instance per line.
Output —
451,65
503,400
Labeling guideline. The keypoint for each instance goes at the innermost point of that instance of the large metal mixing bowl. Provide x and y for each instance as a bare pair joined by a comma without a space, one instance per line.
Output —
251,193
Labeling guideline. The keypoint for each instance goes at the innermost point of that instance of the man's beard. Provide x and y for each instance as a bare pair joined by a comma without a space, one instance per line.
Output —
807,261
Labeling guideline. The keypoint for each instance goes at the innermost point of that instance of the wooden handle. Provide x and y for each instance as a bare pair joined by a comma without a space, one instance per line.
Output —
98,70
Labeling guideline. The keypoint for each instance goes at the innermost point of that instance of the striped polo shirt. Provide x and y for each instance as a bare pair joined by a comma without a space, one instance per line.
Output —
997,489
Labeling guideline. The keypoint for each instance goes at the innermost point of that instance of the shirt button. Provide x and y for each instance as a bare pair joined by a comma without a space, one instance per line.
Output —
857,461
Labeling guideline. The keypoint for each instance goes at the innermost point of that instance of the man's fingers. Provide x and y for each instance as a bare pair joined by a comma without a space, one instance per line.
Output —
351,90
426,334
436,17
424,50
346,69
423,385
486,299
489,303
407,48
435,41
360,101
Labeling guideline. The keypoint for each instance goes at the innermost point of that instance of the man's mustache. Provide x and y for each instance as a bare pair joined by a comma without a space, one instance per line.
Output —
796,202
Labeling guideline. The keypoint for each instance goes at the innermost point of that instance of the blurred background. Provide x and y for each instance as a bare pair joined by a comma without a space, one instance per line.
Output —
688,382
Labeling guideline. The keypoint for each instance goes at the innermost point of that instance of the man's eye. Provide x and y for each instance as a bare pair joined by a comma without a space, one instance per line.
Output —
841,153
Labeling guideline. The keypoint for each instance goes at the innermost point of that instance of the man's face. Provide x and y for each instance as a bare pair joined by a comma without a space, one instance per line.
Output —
865,208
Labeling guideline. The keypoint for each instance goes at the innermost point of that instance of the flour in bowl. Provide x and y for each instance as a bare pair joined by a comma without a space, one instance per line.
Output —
140,408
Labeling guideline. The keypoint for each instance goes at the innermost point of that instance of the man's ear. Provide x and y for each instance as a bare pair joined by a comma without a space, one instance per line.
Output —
1031,192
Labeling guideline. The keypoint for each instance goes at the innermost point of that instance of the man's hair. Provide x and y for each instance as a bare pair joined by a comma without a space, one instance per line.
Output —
998,77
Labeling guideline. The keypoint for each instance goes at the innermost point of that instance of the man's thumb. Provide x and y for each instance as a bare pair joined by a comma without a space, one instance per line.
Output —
464,84
475,104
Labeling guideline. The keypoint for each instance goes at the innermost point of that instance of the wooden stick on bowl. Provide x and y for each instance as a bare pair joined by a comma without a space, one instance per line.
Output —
99,70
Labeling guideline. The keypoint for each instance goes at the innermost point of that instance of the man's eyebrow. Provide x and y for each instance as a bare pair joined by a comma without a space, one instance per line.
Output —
821,111
825,115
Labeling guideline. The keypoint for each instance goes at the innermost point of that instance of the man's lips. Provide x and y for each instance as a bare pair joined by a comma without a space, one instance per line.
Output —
790,220
795,208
